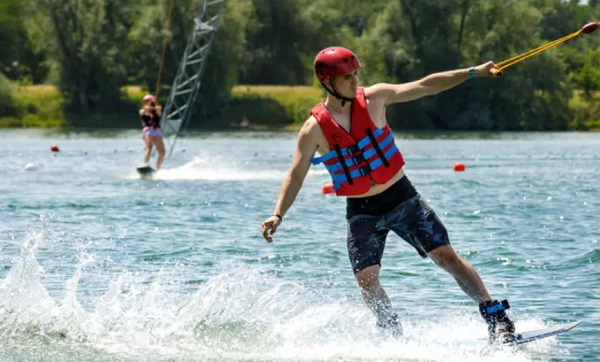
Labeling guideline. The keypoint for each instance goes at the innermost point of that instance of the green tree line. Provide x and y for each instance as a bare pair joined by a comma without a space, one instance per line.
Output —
90,49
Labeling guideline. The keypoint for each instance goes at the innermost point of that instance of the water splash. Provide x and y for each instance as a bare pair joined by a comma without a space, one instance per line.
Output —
216,168
240,313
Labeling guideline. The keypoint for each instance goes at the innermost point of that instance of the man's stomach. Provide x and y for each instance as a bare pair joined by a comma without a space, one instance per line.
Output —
379,188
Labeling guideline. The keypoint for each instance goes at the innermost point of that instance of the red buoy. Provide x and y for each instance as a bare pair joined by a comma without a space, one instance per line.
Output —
54,148
328,188
459,167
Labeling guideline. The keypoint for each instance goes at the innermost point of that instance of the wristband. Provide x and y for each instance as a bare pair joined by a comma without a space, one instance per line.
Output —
472,72
279,217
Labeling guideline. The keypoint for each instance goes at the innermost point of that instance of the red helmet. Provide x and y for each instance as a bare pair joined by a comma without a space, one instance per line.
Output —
335,61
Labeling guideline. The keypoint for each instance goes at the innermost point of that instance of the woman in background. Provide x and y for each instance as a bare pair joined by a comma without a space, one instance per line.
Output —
151,133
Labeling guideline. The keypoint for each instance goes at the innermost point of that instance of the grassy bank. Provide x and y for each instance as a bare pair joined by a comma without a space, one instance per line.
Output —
264,107
43,106
38,106
271,106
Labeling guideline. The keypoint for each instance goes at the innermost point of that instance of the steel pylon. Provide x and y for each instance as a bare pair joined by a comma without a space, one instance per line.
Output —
188,80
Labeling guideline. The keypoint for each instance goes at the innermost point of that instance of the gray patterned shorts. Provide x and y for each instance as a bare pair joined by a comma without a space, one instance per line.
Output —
412,219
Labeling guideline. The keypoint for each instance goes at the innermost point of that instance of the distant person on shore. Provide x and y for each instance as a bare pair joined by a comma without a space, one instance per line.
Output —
150,113
245,123
349,130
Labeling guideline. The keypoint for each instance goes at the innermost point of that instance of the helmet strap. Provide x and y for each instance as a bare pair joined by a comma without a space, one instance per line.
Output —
334,93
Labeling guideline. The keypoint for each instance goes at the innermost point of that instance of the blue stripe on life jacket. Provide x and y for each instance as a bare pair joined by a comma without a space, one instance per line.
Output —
333,168
340,178
346,150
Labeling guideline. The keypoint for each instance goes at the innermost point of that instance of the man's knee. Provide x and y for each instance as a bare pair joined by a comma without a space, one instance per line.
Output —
445,257
368,278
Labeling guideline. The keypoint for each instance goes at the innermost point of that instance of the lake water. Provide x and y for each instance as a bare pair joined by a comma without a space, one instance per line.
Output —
98,265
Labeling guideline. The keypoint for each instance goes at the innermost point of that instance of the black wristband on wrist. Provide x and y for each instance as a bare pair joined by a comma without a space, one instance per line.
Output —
279,217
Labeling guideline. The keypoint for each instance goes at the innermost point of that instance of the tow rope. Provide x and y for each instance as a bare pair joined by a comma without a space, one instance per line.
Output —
586,29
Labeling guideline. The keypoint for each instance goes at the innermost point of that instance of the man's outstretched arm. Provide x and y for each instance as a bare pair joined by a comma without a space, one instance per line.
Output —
429,85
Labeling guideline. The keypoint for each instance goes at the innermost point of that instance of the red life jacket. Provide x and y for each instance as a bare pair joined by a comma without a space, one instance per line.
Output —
360,158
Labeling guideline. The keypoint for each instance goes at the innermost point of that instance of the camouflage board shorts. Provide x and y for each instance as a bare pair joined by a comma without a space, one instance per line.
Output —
399,209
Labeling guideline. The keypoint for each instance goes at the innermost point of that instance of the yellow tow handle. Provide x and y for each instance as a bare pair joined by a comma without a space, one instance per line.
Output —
586,29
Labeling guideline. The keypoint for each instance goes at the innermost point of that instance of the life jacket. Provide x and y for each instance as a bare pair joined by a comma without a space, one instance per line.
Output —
151,120
365,156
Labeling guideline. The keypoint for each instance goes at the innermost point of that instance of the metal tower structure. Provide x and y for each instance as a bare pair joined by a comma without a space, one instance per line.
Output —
188,80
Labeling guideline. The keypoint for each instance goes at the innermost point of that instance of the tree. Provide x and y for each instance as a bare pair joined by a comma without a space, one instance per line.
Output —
587,78
225,62
227,59
279,38
18,59
411,39
7,107
84,38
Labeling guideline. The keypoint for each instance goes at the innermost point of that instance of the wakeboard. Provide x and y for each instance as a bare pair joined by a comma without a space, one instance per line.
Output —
146,171
530,336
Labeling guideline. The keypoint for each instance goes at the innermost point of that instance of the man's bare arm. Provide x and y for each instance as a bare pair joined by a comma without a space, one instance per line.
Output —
429,85
305,150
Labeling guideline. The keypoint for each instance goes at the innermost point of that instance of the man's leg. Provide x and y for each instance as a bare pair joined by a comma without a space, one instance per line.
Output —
464,274
372,292
366,242
377,300
500,327
416,222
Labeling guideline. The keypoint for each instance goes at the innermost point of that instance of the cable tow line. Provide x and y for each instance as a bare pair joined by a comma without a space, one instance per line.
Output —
586,29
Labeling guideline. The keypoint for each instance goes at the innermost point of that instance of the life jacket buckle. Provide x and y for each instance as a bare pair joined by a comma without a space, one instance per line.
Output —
354,149
358,159
365,170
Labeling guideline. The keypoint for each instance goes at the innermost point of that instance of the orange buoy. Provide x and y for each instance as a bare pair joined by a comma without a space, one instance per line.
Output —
328,188
54,148
459,167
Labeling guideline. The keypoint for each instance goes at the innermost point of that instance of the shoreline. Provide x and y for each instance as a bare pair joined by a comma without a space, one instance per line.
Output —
277,108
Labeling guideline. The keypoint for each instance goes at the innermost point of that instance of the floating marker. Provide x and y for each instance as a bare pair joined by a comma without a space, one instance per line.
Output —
328,188
459,167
